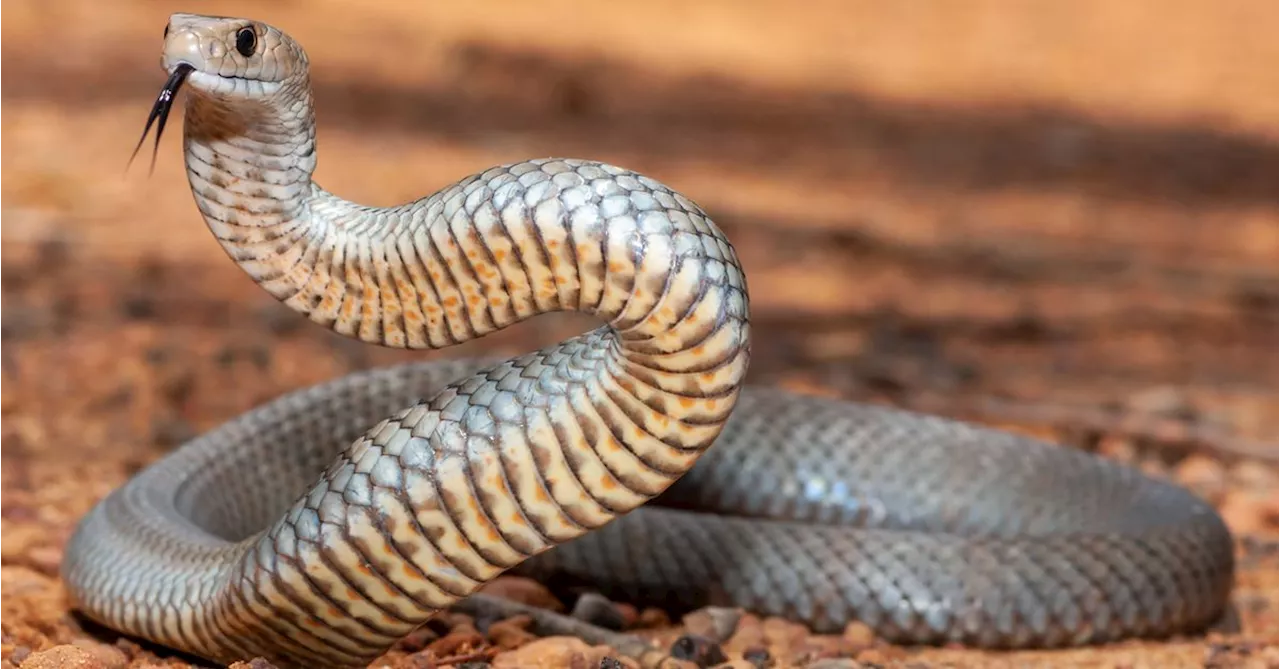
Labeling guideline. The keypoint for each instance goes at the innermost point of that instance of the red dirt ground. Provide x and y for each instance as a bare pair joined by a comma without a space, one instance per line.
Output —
1053,217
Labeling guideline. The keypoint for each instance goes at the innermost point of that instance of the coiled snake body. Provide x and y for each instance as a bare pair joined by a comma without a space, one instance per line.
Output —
323,526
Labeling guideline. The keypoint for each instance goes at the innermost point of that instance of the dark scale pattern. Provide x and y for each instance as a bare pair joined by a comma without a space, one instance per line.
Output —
926,529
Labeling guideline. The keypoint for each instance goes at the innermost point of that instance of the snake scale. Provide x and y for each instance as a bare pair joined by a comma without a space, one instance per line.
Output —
321,527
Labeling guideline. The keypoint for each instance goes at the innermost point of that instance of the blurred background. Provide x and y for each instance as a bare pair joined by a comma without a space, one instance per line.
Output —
1058,217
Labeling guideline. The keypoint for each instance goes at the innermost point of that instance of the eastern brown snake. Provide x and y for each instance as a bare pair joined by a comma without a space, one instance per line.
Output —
325,525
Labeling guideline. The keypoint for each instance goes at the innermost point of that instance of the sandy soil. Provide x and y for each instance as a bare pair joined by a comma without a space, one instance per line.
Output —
1054,217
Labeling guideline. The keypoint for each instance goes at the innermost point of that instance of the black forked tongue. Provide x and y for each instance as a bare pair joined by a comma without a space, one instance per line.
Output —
160,110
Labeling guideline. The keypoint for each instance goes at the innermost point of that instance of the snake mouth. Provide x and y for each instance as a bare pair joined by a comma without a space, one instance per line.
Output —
160,109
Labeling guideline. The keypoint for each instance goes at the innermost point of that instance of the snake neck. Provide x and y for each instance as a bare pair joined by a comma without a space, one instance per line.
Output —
249,162
479,255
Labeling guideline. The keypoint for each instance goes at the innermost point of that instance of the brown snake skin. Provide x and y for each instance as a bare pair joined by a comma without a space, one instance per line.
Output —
324,526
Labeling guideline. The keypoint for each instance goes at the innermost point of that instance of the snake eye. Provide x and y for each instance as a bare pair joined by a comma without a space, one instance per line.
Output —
246,41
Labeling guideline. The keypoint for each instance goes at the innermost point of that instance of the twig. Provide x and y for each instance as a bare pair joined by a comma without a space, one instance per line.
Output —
550,623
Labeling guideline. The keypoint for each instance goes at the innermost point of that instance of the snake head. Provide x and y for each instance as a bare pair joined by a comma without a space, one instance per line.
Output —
231,57
228,59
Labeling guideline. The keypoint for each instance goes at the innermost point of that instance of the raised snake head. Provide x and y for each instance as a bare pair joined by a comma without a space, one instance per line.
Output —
237,63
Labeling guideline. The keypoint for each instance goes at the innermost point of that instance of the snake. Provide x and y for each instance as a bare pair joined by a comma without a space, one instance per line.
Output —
324,525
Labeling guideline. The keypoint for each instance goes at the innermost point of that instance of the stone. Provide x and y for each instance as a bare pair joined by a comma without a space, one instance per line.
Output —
525,591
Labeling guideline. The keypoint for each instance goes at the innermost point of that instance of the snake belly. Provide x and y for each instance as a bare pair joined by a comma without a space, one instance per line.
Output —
320,528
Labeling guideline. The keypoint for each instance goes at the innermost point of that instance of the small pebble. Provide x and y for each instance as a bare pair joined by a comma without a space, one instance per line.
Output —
750,634
255,663
598,610
653,617
714,622
19,654
524,591
1203,475
859,635
629,614
443,623
512,632
826,645
1247,512
109,656
698,649
417,639
462,637
1160,400
1253,475
780,633
137,307
550,652
835,663
66,656
45,559
1117,448
1153,466
886,655
759,658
